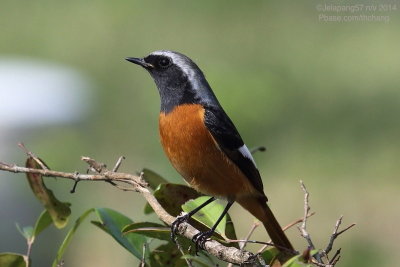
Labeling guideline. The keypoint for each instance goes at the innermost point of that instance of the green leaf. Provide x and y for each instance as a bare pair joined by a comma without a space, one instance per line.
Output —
230,230
30,232
112,222
208,215
270,254
26,231
296,261
172,196
42,223
100,225
59,211
69,236
153,179
149,229
313,252
166,255
12,260
148,209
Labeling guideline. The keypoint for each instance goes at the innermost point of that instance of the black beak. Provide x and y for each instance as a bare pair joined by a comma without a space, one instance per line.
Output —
140,62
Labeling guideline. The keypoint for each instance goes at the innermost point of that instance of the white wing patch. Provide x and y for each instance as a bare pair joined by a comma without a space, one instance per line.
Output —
246,153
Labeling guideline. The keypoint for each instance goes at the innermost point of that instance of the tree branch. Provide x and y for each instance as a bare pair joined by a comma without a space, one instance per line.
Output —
136,183
321,259
303,226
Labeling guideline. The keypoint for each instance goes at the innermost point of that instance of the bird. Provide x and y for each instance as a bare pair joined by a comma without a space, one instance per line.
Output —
204,146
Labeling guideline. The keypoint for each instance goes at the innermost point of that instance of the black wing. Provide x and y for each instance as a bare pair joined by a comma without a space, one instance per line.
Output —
230,142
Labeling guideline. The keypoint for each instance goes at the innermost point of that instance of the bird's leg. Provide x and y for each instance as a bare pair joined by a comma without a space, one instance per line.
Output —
185,218
200,238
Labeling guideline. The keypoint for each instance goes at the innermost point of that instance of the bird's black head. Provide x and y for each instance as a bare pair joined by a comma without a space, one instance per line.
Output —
179,80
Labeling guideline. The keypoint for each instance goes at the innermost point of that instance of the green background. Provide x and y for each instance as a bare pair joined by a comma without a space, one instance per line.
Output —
323,97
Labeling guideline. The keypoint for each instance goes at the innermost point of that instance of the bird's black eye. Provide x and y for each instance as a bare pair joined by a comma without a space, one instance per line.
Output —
164,62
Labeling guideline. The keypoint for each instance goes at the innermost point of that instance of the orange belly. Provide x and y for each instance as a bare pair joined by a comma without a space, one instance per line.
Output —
195,155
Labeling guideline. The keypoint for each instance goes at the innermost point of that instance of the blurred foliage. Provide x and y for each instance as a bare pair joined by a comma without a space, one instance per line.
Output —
322,97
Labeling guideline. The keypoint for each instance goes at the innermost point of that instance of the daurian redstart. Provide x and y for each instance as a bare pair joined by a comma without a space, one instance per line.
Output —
204,145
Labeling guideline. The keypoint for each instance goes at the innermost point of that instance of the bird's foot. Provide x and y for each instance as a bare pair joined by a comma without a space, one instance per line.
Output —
201,238
175,225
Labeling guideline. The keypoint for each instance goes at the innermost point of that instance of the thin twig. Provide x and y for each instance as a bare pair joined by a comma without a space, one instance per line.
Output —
262,243
303,230
252,229
335,234
336,260
118,164
143,261
28,252
98,167
32,155
76,183
108,175
290,225
335,257
303,227
258,149
94,166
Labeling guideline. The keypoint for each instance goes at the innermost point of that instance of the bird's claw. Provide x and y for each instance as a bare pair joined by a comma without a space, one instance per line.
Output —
175,225
200,239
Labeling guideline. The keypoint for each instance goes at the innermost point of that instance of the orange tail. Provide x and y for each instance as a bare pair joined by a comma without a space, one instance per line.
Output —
259,208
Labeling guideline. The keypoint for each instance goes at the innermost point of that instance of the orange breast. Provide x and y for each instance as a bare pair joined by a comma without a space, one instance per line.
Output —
195,155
